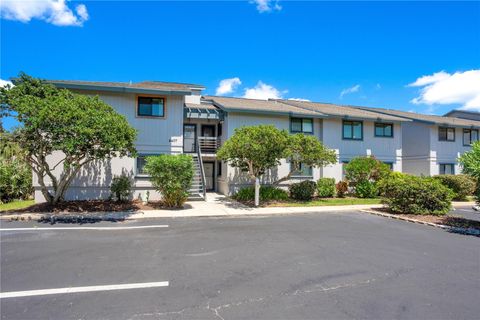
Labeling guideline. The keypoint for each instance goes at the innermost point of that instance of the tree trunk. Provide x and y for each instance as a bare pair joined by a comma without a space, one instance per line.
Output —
257,192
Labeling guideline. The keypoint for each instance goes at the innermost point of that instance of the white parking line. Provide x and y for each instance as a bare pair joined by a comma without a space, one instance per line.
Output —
29,293
86,228
466,210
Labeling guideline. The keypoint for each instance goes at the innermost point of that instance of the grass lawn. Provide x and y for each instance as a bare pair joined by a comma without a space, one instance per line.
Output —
18,204
326,202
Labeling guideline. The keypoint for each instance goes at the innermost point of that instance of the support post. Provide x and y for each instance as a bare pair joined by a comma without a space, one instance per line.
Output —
257,192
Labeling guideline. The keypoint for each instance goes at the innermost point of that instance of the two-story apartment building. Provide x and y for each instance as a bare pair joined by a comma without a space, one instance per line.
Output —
175,118
432,144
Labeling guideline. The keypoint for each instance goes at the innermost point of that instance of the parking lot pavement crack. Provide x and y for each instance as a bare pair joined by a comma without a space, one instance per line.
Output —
157,314
341,286
216,310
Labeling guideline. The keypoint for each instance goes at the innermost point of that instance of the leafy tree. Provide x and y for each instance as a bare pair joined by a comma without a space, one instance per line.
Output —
470,162
256,149
172,176
81,127
306,150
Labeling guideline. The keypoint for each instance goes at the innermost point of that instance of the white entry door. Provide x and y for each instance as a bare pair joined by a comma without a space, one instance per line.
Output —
209,171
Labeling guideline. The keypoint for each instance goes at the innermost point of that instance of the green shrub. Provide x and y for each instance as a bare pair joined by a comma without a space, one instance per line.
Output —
461,185
342,188
326,187
470,162
365,169
172,176
267,193
15,180
415,195
366,189
120,187
303,191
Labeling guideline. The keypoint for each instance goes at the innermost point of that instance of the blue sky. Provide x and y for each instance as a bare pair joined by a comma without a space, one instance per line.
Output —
370,51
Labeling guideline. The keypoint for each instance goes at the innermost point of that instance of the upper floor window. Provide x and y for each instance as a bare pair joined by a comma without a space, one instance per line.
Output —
384,130
446,134
304,171
151,107
447,168
469,136
353,130
301,125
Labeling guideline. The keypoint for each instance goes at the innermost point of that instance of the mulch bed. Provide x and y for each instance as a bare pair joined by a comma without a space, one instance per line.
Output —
447,220
87,206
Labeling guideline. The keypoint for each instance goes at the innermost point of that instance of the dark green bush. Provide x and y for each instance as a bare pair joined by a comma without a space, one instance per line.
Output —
326,187
267,193
415,195
365,169
172,176
15,180
461,185
366,189
342,188
303,191
120,187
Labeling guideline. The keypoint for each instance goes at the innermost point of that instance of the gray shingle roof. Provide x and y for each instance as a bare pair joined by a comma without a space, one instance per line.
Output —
128,86
433,119
260,106
345,112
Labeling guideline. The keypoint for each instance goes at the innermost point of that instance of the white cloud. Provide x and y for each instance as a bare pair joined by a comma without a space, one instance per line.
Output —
267,5
378,86
56,12
445,88
227,86
4,83
353,89
263,91
298,99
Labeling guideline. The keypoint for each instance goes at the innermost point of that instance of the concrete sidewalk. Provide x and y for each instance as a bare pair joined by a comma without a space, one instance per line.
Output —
216,205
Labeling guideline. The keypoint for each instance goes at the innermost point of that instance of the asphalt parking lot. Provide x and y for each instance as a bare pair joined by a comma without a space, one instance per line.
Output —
347,265
466,212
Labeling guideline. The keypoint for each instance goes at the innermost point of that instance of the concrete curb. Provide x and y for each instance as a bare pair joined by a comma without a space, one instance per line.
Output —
469,231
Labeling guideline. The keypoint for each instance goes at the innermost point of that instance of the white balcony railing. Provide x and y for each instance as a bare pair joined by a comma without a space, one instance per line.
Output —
209,144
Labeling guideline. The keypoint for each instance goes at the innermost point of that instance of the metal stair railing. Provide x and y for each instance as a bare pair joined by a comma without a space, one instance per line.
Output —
202,170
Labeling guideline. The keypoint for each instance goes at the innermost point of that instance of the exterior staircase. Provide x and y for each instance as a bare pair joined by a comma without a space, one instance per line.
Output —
197,190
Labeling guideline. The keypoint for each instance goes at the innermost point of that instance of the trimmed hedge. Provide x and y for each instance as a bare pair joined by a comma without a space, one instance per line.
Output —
415,195
303,191
326,187
461,185
172,176
267,193
366,189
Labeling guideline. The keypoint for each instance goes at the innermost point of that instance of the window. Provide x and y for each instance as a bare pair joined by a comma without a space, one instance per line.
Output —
141,161
219,168
344,164
384,130
446,134
305,171
389,164
447,168
469,136
299,125
150,107
219,130
353,130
